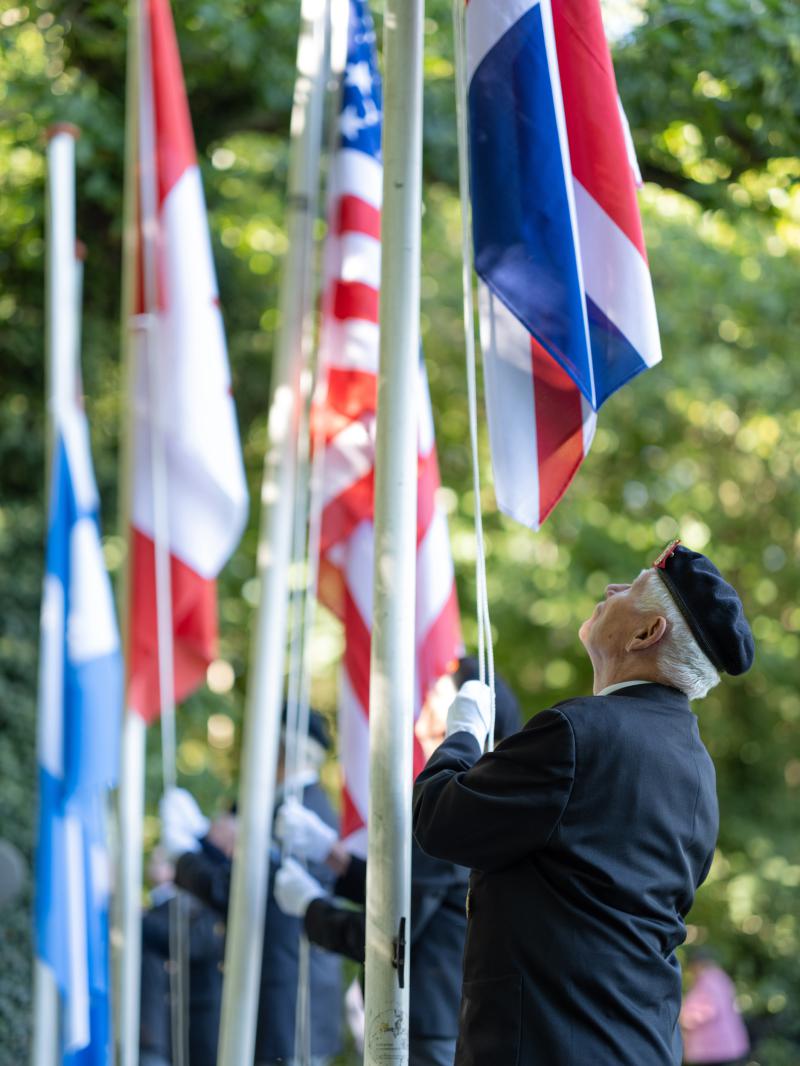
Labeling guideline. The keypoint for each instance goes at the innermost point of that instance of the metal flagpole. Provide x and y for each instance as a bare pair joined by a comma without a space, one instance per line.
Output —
126,937
61,368
246,908
62,278
392,668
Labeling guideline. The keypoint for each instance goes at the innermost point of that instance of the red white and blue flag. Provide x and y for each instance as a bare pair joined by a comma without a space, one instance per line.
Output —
190,391
566,300
344,419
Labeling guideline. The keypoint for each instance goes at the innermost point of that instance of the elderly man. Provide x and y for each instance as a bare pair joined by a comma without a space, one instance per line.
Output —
588,832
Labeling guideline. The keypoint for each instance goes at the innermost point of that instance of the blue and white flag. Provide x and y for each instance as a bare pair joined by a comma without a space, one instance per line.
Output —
567,308
80,701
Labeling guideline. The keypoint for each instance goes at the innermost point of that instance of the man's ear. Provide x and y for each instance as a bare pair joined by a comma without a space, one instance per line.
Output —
648,634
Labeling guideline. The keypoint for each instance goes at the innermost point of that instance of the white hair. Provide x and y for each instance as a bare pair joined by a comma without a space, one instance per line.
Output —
681,661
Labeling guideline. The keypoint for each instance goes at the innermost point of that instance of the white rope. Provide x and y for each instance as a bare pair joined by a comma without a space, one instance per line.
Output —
302,1018
305,551
306,535
485,647
305,560
294,746
308,514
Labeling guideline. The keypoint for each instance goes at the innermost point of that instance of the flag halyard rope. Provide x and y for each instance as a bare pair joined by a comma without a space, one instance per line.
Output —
485,645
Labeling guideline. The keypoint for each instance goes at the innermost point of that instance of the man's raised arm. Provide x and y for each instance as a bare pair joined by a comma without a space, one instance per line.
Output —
488,811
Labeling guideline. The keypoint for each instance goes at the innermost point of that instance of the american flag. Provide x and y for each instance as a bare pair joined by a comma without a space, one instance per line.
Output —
567,308
344,420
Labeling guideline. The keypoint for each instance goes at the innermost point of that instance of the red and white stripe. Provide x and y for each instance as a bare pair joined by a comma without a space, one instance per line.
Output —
605,175
207,493
536,410
345,420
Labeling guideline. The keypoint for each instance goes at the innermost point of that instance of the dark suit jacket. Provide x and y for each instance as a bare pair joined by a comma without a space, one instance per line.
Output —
210,881
588,833
206,946
438,928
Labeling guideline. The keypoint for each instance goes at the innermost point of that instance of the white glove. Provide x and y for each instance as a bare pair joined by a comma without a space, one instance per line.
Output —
182,822
304,833
295,888
471,711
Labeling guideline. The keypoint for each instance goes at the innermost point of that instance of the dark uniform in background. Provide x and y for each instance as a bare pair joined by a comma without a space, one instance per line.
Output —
588,833
208,879
205,932
438,921
437,931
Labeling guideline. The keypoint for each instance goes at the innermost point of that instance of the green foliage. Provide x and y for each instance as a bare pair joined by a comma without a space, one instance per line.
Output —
706,446
711,91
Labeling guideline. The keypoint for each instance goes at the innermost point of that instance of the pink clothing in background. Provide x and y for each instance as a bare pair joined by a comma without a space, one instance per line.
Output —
713,1030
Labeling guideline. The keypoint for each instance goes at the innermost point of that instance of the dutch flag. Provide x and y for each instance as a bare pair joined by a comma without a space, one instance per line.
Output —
80,700
566,300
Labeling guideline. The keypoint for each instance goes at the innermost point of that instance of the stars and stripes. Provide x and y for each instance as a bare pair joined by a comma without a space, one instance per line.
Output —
567,308
345,422
182,388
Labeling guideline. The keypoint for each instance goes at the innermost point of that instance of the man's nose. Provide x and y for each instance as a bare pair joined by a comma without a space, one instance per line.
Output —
612,590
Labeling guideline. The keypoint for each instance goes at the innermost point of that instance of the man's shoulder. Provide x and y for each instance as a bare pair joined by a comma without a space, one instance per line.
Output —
565,712
586,714
644,715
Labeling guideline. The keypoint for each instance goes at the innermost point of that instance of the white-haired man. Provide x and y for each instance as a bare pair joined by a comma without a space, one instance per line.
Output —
588,832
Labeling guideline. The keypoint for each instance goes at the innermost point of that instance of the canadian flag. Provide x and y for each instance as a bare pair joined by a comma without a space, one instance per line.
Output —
182,390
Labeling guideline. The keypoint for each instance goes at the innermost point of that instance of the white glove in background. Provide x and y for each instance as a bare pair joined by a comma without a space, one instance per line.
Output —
295,889
183,824
304,833
471,711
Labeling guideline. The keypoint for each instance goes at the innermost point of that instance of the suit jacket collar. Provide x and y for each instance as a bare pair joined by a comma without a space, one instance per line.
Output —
655,693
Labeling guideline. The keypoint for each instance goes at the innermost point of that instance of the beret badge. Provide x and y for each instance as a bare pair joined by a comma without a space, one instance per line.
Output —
661,562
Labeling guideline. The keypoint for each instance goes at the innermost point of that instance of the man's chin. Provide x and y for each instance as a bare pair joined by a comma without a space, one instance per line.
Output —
585,629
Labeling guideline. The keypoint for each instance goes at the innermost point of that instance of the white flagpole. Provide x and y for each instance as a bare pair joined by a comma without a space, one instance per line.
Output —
392,669
61,383
126,939
44,1042
62,275
246,908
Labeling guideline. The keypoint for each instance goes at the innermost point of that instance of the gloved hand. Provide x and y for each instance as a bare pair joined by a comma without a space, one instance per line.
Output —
183,824
471,711
304,833
295,888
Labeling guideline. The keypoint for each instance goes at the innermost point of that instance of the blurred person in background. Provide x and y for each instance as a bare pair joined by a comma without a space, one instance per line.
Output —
713,1031
438,891
203,868
205,949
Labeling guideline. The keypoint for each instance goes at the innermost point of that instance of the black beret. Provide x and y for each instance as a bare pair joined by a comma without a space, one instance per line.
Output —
507,718
711,607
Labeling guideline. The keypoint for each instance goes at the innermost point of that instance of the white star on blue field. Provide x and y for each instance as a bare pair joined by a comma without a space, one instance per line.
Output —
360,118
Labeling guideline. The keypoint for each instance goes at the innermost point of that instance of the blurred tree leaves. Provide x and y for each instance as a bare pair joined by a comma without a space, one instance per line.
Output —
706,446
710,88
